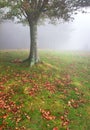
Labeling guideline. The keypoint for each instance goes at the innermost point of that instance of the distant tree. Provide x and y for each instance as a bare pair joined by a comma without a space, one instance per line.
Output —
3,4
31,11
85,3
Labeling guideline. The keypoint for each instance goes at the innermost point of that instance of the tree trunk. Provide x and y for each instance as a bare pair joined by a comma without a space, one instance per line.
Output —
33,56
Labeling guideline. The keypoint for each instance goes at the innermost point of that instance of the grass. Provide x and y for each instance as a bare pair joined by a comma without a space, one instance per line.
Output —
53,95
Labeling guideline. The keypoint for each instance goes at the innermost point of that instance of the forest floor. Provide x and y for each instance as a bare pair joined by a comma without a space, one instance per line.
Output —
52,95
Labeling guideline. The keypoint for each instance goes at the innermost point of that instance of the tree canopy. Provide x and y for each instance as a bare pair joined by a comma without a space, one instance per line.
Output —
31,10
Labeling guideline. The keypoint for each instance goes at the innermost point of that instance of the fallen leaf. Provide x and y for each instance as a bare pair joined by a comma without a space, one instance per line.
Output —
55,128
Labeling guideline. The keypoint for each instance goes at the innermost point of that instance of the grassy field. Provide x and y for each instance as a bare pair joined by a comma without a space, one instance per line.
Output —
53,95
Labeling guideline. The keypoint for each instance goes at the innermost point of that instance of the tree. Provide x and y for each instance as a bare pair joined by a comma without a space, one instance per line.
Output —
31,11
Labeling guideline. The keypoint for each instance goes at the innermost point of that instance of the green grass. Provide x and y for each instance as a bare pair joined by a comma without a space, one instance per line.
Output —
53,95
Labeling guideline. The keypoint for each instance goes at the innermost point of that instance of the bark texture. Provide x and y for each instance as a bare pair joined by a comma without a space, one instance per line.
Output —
33,56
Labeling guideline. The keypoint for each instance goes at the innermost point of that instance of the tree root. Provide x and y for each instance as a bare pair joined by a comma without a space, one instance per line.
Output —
31,62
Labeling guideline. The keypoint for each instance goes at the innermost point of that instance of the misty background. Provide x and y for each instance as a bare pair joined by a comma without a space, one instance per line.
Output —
64,36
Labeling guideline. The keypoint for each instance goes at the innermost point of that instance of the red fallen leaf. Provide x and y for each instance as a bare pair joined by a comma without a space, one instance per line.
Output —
50,117
62,117
75,105
50,87
66,112
47,115
65,123
5,116
15,109
11,103
1,83
1,127
55,128
2,104
2,87
65,92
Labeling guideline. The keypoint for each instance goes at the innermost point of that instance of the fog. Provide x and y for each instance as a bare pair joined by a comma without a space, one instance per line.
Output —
64,36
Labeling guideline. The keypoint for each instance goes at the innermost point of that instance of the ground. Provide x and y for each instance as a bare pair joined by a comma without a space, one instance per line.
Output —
52,95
